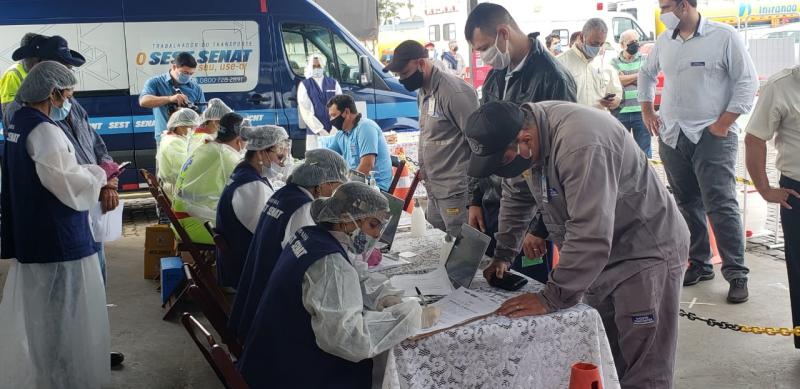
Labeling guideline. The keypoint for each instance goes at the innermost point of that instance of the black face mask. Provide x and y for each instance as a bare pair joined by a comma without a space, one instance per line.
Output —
338,122
633,48
455,49
413,82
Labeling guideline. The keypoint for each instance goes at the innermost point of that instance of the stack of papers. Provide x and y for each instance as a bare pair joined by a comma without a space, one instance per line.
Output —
106,227
461,307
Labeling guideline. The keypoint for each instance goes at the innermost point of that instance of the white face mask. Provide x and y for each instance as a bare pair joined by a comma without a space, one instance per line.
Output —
670,20
494,58
317,73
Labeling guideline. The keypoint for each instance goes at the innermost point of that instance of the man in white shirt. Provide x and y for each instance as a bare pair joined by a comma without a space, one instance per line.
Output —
709,81
776,116
313,94
598,83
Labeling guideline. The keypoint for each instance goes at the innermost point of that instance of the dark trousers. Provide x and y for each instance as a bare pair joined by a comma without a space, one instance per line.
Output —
790,220
634,123
703,180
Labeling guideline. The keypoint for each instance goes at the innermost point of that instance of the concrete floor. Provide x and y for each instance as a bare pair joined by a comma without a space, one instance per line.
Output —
160,355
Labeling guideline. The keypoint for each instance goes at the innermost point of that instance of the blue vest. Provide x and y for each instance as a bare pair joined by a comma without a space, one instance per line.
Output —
319,99
262,255
235,233
282,351
36,226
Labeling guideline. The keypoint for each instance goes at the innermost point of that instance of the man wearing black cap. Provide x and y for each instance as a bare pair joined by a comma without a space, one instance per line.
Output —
623,243
522,71
445,102
90,149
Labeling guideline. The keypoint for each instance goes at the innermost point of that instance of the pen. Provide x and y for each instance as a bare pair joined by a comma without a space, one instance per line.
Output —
421,297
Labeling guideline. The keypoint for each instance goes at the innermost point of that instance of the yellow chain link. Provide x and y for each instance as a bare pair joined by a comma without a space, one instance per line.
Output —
771,331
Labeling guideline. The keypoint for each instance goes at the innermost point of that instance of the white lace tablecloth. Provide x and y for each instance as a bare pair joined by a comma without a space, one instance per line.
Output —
498,352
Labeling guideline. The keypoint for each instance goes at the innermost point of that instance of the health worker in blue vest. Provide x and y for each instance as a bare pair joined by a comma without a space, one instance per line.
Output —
360,141
322,320
53,319
313,94
246,195
287,211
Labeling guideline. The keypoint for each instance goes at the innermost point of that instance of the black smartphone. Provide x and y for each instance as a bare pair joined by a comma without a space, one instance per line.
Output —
510,282
610,96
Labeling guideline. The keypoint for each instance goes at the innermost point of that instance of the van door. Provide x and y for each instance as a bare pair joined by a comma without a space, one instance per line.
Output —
299,41
620,24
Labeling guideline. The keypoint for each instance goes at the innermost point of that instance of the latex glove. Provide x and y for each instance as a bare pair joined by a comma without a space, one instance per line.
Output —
388,301
430,315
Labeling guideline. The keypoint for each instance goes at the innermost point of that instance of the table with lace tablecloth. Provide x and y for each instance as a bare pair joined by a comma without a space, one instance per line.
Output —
498,352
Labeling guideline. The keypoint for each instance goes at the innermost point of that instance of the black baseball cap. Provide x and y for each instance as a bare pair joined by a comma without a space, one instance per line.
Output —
491,129
53,48
404,52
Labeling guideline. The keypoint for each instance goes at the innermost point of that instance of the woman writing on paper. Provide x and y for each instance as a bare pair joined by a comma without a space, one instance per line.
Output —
320,312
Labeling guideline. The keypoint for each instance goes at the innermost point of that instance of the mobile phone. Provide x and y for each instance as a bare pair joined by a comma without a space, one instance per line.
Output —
510,282
610,96
119,171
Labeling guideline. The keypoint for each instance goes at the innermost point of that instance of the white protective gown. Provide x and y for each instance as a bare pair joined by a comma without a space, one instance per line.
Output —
306,108
335,294
53,319
248,202
299,219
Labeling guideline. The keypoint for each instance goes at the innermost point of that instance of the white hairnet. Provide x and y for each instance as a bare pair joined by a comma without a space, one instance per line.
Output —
183,117
319,167
43,79
263,137
351,201
215,110
310,64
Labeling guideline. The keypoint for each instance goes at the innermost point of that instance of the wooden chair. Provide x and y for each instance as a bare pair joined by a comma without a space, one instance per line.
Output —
152,183
410,196
203,268
398,164
223,248
213,312
216,356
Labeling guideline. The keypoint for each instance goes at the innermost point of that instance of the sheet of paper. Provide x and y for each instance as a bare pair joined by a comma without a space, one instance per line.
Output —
387,262
435,283
462,306
106,227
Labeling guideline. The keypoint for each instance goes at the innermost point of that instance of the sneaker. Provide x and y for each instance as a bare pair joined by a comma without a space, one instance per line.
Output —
695,274
116,359
738,292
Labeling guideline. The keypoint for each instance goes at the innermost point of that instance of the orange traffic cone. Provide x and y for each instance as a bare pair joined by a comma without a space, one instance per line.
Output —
403,186
585,376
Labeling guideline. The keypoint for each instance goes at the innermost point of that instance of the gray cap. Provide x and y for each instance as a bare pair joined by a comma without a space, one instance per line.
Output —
263,137
183,117
215,110
319,167
350,202
43,79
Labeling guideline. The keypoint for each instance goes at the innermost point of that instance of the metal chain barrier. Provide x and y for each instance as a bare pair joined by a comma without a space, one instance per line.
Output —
741,328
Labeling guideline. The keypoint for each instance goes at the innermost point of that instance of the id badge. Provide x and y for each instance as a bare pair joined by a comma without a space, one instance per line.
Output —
543,183
432,107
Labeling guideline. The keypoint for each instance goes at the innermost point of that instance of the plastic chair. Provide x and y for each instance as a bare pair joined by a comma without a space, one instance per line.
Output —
398,164
216,356
213,312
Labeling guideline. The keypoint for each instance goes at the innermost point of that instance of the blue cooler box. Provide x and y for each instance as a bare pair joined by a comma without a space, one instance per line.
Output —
171,276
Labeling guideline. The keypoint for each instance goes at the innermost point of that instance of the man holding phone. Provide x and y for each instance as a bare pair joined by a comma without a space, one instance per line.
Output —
598,83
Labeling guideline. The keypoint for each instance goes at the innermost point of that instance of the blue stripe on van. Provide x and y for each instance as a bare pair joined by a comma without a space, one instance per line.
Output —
115,125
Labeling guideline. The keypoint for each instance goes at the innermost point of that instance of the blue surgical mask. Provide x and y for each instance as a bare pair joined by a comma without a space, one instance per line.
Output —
60,113
184,78
591,51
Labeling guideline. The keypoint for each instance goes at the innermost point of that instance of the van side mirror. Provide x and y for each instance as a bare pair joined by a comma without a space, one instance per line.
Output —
365,70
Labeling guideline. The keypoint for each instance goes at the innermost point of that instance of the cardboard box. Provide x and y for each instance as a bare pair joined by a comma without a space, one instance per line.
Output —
159,243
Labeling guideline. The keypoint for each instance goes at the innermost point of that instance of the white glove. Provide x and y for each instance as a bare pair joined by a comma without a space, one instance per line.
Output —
430,315
388,301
